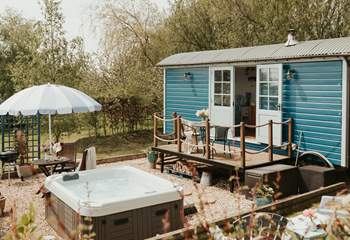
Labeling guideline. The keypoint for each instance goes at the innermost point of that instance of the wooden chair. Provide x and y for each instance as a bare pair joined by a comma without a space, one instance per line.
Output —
220,136
69,151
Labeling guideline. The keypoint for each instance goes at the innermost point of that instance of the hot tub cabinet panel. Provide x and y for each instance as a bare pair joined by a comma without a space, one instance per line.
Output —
135,224
124,203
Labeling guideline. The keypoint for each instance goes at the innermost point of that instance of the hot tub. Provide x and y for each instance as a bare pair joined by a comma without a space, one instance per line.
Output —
123,202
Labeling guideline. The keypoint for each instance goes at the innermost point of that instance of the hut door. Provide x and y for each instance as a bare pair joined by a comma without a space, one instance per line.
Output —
222,96
269,98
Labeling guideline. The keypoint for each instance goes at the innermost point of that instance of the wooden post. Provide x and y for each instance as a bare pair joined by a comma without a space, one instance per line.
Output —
270,139
155,140
290,135
207,139
178,135
161,155
242,144
175,125
232,184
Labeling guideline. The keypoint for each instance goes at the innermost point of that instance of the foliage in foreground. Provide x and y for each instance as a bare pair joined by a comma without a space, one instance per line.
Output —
25,227
257,225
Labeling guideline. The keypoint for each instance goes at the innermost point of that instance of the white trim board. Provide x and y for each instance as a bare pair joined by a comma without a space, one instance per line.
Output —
164,99
345,98
254,63
210,69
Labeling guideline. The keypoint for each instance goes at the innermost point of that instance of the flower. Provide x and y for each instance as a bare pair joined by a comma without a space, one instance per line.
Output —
57,147
309,213
203,113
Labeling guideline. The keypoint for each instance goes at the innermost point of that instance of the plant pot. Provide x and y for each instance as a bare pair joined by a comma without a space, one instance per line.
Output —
2,205
152,157
206,179
263,201
25,170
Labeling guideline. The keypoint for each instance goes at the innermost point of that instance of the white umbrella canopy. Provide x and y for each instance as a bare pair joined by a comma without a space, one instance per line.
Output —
48,99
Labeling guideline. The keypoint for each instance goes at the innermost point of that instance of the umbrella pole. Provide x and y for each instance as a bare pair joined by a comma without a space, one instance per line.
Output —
50,133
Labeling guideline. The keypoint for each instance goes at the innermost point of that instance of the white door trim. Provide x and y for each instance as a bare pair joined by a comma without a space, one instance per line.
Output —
345,107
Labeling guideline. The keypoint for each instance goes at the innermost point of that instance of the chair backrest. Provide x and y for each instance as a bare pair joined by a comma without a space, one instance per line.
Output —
221,133
186,127
69,151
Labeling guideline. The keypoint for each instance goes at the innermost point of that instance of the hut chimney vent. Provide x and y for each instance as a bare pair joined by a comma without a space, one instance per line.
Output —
291,38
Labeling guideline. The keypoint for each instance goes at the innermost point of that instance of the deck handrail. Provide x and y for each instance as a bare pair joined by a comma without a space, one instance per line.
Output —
156,137
163,118
178,123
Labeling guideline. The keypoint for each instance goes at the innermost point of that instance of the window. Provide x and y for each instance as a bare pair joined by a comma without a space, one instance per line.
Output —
222,88
268,89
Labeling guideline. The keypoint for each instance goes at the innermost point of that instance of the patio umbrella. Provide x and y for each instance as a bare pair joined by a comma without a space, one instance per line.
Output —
48,99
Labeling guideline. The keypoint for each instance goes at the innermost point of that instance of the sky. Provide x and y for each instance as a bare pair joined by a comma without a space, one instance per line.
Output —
77,15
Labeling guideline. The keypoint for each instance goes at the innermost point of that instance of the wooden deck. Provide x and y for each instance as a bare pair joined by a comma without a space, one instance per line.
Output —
241,158
219,159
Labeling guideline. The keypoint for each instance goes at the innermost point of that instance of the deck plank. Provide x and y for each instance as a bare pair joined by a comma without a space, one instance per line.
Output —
220,159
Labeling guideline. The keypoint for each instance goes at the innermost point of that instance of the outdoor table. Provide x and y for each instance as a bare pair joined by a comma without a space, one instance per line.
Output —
54,163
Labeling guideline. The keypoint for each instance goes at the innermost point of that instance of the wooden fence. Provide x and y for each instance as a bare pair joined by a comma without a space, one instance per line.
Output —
177,134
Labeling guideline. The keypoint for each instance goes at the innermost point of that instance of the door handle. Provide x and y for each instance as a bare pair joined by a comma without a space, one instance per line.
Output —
279,107
233,103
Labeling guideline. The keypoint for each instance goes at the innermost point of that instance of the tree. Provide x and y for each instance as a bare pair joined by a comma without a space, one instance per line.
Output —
204,24
130,53
37,52
52,58
19,41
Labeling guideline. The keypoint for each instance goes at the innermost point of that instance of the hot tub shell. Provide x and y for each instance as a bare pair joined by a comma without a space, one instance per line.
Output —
136,217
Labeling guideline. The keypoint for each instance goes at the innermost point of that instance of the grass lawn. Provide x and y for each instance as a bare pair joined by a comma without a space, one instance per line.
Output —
119,144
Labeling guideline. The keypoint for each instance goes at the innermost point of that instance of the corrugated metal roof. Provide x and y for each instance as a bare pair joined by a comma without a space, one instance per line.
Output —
315,48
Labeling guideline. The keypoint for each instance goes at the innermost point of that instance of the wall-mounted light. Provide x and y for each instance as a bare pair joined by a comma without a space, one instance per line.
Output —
290,74
188,76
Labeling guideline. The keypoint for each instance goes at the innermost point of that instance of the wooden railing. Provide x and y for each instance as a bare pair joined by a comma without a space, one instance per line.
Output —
270,145
177,134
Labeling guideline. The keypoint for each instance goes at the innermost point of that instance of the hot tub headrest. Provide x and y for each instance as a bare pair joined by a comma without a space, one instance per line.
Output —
70,177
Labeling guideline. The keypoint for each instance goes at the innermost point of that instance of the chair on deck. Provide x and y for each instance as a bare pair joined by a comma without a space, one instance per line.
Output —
69,151
219,134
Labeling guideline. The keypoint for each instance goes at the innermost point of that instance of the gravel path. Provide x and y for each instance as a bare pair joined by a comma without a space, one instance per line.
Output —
218,201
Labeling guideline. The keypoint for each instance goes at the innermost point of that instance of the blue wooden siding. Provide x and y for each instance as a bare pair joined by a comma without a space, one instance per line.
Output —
313,98
185,97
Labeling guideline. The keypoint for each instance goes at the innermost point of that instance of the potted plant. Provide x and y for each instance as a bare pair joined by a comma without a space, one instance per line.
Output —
263,194
152,157
23,170
2,204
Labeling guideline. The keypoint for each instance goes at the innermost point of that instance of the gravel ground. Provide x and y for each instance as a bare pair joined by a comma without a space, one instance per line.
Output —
218,201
